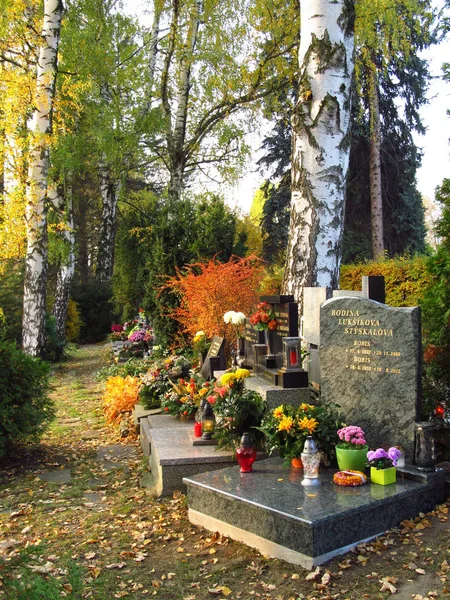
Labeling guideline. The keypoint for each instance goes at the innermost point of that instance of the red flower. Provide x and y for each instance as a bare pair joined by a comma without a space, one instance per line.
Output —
166,408
254,319
273,324
265,317
211,399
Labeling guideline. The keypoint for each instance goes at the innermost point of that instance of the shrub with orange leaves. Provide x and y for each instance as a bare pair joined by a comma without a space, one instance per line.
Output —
209,289
121,395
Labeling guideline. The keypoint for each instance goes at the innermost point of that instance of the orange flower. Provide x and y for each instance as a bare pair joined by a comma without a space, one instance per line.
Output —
273,324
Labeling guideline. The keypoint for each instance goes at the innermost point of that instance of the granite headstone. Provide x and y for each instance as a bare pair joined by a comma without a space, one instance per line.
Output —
286,314
251,337
215,359
371,366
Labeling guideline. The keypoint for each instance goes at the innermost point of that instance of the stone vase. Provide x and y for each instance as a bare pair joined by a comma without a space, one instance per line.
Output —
352,460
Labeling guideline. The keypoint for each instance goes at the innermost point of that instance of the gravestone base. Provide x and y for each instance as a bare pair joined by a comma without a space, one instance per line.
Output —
270,510
292,379
269,374
275,395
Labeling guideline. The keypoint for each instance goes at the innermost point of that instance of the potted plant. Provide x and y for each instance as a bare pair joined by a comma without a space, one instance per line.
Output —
287,427
383,465
351,451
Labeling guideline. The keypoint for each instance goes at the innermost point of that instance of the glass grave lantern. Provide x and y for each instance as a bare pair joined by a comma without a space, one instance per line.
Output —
291,354
208,422
311,461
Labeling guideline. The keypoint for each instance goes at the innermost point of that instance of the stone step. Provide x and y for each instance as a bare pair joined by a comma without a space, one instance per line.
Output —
270,510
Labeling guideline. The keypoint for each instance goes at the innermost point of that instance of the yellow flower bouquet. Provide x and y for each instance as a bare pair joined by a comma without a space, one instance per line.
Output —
287,427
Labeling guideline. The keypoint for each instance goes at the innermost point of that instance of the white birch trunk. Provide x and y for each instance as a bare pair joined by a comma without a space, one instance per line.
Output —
177,154
66,269
376,198
320,124
33,323
110,190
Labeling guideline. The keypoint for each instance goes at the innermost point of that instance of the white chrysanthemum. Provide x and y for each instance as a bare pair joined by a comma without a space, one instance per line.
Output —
228,316
199,334
238,318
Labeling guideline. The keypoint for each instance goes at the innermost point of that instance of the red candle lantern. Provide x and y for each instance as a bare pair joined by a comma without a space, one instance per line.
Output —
245,454
291,353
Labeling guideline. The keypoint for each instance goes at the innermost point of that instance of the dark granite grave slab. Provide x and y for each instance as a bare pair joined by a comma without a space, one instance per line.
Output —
251,336
370,363
270,510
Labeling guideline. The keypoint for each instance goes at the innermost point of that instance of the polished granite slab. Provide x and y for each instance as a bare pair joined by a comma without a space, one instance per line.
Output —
173,457
270,509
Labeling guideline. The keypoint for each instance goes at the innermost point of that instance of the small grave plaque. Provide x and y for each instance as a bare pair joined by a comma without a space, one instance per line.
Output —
216,352
251,337
370,366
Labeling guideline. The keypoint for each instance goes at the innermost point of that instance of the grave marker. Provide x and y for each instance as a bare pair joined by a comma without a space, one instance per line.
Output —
370,360
215,359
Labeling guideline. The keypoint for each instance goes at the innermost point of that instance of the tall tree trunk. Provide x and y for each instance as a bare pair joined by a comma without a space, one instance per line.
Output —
109,190
376,200
33,324
176,137
66,269
320,156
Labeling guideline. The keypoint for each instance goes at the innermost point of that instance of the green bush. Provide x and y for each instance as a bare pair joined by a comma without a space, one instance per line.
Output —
25,408
55,346
406,278
95,310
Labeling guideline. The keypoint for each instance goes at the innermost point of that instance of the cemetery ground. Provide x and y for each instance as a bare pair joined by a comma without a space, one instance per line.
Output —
75,523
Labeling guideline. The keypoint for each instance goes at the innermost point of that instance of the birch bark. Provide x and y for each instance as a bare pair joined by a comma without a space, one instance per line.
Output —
176,135
376,199
320,125
66,269
110,190
33,323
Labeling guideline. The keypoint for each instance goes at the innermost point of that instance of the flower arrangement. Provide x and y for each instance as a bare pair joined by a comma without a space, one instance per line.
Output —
380,459
264,317
287,427
237,410
157,381
351,437
201,344
118,336
186,395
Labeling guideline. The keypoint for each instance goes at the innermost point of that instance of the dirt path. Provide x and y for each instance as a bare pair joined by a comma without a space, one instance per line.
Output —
74,523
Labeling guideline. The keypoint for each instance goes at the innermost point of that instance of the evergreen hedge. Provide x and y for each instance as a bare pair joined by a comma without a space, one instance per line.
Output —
25,408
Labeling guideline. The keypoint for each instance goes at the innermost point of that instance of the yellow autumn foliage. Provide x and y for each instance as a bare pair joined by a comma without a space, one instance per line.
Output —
121,395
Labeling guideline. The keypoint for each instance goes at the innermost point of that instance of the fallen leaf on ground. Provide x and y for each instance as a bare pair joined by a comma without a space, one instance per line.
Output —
314,575
387,586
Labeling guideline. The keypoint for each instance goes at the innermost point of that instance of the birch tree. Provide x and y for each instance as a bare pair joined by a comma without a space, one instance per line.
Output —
217,58
63,203
320,125
35,284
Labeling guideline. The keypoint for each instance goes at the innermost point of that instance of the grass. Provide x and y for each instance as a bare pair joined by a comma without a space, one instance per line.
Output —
101,536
